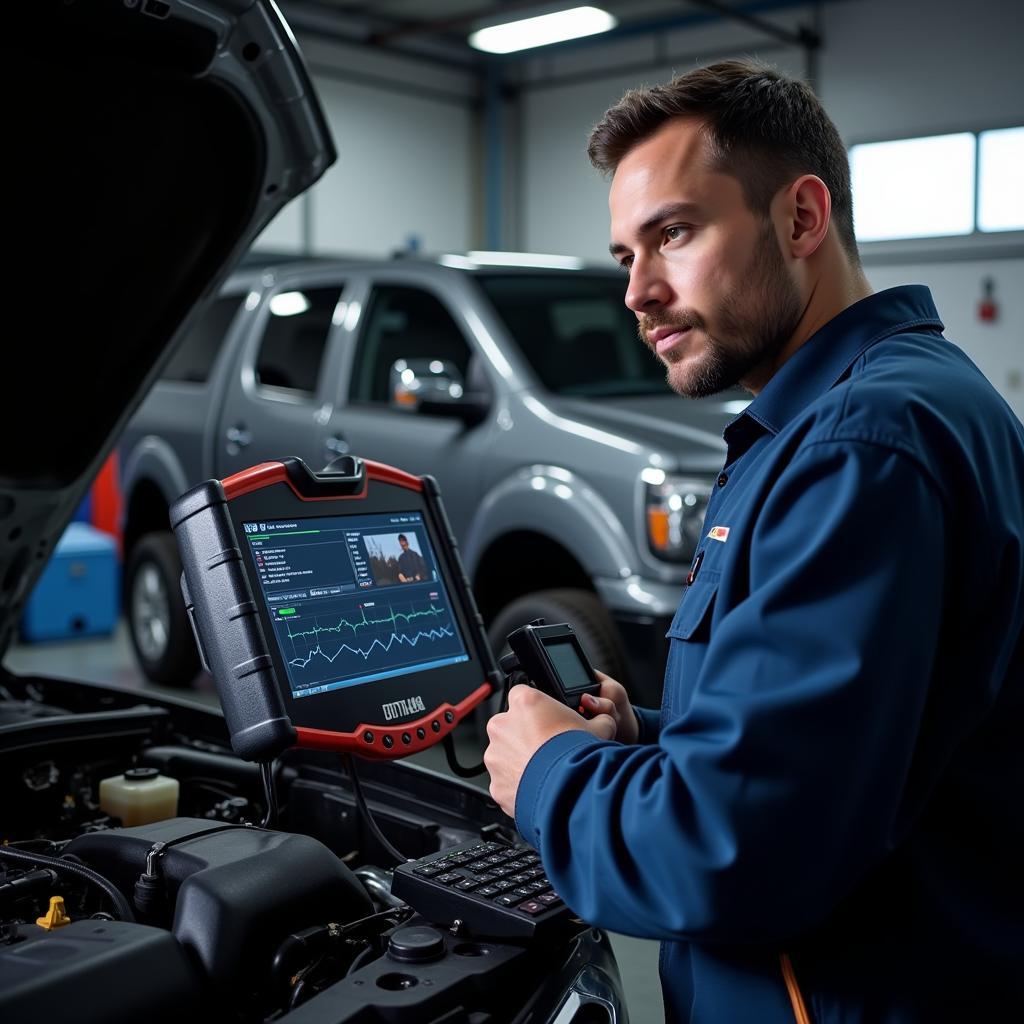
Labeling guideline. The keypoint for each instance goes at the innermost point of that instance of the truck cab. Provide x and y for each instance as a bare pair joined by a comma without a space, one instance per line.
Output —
575,481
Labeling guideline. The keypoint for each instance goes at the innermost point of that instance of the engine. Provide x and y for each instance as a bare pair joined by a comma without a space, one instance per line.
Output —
208,914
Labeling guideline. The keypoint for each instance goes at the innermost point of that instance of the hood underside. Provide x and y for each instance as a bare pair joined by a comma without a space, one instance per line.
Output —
147,146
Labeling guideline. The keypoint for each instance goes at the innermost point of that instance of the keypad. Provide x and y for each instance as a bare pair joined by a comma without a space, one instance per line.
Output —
488,874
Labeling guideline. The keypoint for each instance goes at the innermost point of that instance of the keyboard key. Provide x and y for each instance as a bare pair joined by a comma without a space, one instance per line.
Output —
488,891
520,878
508,901
536,887
532,907
450,878
467,885
524,890
502,884
428,870
486,876
549,899
535,872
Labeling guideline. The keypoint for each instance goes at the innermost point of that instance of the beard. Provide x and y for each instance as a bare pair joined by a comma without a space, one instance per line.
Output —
753,326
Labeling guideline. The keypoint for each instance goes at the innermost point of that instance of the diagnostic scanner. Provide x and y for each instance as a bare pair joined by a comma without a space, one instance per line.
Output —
552,657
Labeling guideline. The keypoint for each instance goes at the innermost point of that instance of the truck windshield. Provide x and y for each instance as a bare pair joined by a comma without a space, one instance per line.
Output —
576,333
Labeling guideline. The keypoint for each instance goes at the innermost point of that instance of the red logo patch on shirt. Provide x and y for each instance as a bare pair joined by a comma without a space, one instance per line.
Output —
719,533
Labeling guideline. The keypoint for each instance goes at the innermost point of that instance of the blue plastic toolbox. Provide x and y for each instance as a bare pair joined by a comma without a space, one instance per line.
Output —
77,594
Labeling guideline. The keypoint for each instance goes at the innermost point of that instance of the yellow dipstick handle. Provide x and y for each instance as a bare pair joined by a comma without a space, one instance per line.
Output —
56,916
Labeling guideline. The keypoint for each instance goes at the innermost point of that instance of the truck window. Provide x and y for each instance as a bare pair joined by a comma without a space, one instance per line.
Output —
403,323
576,332
295,338
195,355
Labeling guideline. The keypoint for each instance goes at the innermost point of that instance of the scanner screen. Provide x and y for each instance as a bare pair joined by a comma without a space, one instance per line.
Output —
570,668
354,599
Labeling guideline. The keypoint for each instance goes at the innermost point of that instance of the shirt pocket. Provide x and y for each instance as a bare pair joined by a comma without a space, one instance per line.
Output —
692,620
689,635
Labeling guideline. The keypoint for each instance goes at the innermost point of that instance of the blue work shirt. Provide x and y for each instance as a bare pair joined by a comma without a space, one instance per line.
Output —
836,772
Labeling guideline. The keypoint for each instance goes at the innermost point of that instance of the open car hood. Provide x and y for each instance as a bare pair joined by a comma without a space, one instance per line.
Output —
148,144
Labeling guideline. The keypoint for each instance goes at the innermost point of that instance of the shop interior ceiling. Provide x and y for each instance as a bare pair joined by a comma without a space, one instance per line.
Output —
438,29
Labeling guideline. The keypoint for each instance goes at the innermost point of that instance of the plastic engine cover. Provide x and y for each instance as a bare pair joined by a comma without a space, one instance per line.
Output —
231,894
94,972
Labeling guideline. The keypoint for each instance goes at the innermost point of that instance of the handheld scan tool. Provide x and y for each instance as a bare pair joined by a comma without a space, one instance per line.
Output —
331,608
554,660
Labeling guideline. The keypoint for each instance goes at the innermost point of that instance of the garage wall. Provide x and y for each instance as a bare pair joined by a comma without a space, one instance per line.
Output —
563,200
408,158
889,69
996,347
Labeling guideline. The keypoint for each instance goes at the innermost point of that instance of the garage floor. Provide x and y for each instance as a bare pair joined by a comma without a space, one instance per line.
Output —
110,660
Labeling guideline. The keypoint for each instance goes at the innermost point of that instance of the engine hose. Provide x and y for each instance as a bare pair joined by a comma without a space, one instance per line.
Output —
58,864
362,959
367,817
461,770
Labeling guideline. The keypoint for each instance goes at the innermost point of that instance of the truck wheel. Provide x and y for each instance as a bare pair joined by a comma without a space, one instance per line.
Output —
582,609
157,620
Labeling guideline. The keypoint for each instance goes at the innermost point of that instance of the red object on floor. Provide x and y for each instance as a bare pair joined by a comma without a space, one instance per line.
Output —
106,499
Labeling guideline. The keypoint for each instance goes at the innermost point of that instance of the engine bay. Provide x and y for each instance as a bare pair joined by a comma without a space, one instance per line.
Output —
207,912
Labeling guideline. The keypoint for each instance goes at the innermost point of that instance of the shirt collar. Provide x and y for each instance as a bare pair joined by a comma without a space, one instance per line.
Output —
825,357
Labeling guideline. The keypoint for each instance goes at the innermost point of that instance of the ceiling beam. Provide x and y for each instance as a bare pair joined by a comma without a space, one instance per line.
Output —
438,25
803,36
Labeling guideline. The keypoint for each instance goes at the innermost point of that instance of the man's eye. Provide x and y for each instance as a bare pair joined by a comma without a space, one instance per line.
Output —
675,231
626,263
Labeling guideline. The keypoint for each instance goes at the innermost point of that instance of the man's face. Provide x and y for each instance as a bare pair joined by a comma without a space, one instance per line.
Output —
403,543
713,297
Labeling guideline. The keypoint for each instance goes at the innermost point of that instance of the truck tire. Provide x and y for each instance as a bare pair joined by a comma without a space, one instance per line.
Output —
157,621
582,609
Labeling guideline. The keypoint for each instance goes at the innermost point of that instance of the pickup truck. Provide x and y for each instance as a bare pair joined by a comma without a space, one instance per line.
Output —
575,481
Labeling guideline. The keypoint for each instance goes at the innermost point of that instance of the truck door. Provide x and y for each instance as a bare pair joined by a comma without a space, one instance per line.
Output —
276,405
407,325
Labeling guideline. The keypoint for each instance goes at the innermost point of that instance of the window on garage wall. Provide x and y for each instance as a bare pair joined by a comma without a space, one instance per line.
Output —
1001,180
939,185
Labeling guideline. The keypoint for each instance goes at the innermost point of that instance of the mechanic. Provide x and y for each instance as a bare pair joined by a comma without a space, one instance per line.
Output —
411,566
824,822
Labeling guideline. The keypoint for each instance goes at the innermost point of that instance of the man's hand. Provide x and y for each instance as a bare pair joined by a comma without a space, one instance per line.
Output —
515,736
613,701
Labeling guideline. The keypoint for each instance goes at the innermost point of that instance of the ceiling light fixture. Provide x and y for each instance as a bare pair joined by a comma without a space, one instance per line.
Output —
543,30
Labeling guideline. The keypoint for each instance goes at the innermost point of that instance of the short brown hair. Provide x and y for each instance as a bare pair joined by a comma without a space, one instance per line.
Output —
763,128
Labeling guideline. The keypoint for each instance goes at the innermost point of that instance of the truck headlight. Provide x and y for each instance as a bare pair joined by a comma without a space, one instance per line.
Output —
675,508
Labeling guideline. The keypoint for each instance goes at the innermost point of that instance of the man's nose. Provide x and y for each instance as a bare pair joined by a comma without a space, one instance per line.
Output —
648,290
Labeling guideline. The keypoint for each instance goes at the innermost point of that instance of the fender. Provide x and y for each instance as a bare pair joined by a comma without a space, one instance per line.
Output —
152,458
560,504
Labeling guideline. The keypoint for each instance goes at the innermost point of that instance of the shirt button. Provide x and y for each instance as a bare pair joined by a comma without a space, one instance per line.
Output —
723,479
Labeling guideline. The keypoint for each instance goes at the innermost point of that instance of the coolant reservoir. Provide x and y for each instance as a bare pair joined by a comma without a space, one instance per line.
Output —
139,796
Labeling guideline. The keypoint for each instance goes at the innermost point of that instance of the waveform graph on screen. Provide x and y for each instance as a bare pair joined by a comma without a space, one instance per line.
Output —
347,642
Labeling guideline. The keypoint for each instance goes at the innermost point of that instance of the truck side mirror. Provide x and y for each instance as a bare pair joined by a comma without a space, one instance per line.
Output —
434,387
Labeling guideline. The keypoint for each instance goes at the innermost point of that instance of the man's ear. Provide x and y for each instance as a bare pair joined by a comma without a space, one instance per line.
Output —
807,208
